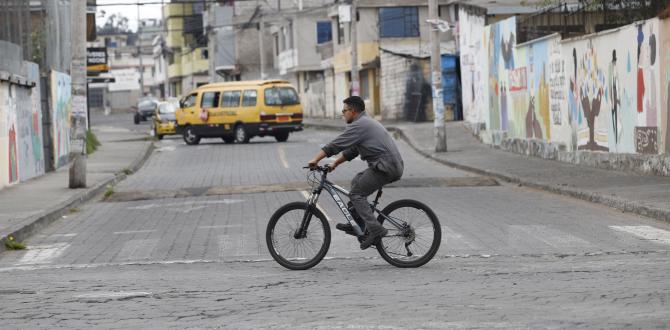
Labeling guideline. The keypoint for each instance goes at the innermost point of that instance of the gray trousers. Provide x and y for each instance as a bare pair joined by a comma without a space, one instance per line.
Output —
362,186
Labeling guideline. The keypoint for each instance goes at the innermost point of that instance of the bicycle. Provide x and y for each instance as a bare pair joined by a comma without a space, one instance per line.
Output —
297,242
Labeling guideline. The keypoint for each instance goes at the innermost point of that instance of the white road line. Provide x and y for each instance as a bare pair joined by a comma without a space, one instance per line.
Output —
138,249
282,156
550,236
133,232
646,232
43,254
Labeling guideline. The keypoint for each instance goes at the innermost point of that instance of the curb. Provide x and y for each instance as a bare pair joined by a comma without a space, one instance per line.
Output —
37,222
617,203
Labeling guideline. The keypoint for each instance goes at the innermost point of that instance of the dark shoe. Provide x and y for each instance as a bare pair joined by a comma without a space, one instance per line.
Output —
373,238
347,228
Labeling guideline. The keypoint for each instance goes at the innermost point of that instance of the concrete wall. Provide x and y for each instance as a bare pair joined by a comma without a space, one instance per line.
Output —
573,99
474,75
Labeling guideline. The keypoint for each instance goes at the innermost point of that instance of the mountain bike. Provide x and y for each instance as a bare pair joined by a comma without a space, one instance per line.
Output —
298,234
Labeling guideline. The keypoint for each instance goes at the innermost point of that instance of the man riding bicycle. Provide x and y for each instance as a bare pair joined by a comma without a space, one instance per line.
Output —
366,137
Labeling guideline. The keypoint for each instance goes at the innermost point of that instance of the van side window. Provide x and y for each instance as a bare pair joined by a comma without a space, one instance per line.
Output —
249,99
231,99
189,101
209,100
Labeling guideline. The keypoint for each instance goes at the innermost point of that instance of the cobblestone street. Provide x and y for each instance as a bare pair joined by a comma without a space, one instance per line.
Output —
511,257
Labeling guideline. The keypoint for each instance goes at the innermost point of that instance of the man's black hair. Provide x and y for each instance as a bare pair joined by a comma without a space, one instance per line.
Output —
355,102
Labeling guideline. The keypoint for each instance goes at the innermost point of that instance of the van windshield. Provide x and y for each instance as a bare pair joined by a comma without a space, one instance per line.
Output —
281,96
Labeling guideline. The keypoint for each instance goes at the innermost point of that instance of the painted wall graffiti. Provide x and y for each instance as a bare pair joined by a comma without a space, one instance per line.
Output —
608,92
61,104
501,46
31,159
8,147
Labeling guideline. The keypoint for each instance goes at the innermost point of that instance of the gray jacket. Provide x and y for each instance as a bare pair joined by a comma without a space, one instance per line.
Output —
369,139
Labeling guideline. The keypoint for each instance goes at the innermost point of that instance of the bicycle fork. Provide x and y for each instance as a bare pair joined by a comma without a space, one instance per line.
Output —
307,217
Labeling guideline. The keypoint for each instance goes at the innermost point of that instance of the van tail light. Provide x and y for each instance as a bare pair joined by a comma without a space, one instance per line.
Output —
267,116
297,115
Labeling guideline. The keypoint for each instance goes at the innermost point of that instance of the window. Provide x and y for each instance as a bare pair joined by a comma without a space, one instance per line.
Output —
399,22
324,32
189,101
249,99
209,100
281,96
231,99
204,54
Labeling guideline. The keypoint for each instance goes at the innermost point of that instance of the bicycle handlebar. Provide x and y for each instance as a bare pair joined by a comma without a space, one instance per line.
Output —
324,168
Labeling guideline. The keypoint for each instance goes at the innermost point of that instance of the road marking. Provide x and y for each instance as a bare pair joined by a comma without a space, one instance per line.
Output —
455,241
112,295
43,254
166,205
134,232
646,232
555,238
282,156
221,226
137,249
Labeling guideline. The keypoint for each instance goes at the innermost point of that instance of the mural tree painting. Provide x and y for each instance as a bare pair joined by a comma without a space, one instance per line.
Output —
591,91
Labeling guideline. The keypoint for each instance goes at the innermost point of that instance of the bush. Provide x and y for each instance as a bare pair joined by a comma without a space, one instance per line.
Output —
92,142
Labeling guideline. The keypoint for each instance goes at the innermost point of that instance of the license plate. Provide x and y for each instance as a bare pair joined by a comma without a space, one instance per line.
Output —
283,118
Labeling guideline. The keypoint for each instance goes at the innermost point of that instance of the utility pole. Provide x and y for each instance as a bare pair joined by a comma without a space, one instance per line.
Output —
436,69
353,32
164,53
261,46
139,49
77,173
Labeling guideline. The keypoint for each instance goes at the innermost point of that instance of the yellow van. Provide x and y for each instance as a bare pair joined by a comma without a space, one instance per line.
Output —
237,111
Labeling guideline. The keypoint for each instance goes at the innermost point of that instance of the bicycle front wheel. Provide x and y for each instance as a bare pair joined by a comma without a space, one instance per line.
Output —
414,235
297,253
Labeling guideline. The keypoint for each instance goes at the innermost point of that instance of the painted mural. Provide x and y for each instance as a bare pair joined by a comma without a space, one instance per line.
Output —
473,73
501,46
531,90
8,157
61,105
607,92
30,135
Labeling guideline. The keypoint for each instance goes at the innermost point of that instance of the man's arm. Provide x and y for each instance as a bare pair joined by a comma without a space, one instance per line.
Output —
349,138
315,161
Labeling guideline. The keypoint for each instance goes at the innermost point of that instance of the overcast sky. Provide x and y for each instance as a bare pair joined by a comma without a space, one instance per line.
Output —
130,11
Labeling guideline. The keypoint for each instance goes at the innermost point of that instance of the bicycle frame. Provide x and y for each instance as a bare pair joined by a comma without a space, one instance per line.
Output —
334,191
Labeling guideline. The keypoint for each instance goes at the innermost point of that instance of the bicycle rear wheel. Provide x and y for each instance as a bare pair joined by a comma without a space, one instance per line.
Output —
297,253
415,243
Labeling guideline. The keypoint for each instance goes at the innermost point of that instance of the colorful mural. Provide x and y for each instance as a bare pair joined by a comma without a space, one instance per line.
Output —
607,92
61,105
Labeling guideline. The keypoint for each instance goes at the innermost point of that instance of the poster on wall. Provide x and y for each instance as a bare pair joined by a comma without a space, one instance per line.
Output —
61,111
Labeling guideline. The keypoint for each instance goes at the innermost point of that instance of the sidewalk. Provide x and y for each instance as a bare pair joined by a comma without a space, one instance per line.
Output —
628,192
29,206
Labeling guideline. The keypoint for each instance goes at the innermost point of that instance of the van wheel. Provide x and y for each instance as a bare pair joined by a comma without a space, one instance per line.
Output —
190,137
241,135
228,139
281,137
136,119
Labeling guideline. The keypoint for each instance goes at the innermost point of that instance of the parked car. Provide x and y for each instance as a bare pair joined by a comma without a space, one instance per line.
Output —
238,111
164,120
146,107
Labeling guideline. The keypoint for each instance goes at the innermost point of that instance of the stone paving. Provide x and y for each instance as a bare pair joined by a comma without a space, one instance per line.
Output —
511,257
